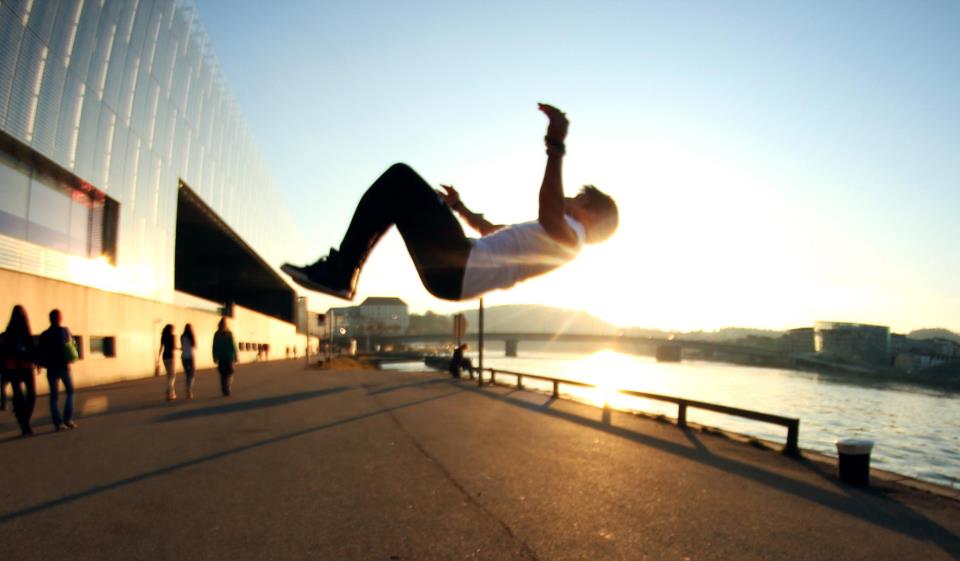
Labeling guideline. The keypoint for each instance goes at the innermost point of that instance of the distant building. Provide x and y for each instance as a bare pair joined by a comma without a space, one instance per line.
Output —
911,355
800,340
345,318
375,314
390,313
853,342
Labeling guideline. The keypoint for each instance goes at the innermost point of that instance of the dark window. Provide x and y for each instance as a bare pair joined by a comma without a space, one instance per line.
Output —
14,196
49,215
103,346
47,205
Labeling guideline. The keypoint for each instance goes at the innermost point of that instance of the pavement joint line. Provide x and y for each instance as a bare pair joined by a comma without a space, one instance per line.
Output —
453,481
102,488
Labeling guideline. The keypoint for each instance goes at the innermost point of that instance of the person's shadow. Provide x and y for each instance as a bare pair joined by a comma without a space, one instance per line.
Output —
241,406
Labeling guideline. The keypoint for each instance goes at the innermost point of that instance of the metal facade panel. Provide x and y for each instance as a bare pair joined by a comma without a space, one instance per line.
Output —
68,124
43,14
22,107
102,53
11,34
103,148
116,67
20,9
125,100
141,22
118,151
48,108
86,150
85,44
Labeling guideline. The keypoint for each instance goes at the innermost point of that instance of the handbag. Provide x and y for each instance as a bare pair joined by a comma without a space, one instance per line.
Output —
70,353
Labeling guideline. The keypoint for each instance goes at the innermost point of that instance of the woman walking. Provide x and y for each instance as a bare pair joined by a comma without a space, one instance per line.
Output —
18,355
188,344
167,346
225,355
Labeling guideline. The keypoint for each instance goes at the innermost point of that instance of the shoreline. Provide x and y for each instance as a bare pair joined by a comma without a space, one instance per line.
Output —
879,477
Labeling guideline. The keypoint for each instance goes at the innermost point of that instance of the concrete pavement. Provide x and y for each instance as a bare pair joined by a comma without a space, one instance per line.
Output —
367,465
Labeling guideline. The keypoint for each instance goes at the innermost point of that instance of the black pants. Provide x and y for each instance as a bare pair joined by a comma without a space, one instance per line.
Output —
433,236
226,376
24,395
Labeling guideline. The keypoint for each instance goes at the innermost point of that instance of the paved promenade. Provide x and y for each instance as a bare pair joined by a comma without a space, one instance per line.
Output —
366,465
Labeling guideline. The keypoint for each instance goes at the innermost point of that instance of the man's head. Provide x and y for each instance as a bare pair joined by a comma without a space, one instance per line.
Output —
596,211
55,317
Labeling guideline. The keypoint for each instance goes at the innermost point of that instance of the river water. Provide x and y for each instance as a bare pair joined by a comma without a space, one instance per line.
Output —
916,431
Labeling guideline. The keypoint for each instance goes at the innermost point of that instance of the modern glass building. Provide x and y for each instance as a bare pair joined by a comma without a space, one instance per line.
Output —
131,192
853,342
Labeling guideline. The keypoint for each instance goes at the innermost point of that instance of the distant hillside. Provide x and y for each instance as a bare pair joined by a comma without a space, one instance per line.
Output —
730,334
537,319
934,333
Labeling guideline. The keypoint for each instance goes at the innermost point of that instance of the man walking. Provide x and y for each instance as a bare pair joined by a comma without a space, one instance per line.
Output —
225,355
57,351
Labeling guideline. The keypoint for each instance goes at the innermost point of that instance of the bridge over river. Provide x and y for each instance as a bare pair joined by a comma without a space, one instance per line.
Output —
666,349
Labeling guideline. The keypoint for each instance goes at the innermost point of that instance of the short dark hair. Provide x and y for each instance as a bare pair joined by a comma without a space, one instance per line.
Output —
604,209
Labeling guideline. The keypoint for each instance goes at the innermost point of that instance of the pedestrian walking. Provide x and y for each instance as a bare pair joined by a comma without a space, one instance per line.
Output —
57,352
19,358
167,346
225,355
188,346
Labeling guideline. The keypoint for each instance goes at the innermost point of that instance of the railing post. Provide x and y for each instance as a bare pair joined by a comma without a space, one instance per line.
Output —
556,388
682,414
493,377
519,382
793,439
480,334
480,378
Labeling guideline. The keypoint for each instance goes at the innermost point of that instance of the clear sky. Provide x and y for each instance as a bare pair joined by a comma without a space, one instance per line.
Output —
775,163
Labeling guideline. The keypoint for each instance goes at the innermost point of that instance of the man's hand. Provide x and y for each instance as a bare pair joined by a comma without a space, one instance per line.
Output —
557,129
449,195
476,221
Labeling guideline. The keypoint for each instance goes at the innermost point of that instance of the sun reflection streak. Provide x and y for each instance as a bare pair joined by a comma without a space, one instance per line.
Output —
563,328
609,371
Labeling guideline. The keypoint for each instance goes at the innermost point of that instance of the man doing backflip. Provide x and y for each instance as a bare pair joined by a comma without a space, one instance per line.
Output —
451,265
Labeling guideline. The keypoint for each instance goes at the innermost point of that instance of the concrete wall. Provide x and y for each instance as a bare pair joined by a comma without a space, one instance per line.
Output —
136,323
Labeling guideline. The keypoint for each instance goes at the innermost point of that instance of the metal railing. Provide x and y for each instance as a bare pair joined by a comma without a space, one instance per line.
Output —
793,425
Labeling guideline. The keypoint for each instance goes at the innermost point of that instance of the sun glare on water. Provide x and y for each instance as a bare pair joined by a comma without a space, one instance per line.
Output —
609,371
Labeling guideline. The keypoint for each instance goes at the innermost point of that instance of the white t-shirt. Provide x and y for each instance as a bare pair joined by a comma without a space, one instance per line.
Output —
186,348
515,253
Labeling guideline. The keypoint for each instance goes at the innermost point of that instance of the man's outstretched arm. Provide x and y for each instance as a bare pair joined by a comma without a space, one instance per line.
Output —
552,205
476,221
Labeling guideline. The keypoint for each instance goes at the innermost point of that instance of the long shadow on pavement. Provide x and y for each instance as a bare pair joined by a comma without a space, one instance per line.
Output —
73,497
866,505
375,389
250,405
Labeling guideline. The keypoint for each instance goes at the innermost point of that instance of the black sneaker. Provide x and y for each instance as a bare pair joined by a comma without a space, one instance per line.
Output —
328,275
